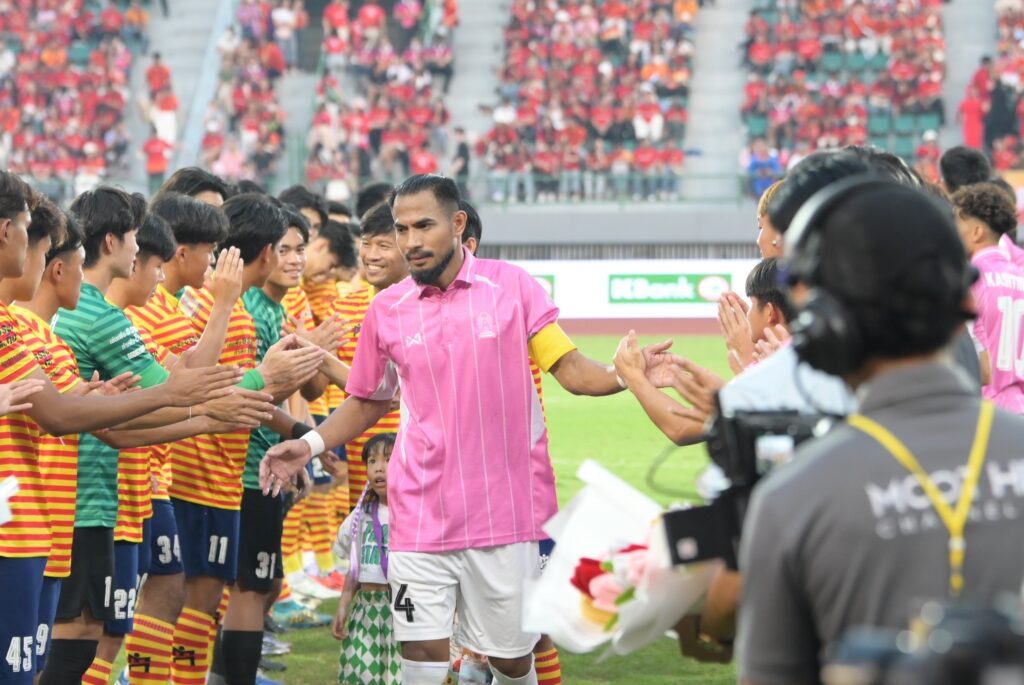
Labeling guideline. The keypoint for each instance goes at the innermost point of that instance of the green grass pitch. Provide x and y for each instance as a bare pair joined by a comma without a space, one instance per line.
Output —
615,432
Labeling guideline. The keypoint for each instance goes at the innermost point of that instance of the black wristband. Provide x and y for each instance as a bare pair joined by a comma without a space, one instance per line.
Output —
299,429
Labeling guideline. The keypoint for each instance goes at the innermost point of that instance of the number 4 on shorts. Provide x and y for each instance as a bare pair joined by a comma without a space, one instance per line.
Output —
403,603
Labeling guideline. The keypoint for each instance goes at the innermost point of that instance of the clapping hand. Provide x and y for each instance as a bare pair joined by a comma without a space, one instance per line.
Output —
13,395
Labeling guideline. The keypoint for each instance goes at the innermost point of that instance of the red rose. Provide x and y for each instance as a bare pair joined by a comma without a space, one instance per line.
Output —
586,571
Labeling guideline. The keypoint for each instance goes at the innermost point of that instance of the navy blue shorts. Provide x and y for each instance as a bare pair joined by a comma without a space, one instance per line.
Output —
47,614
209,540
124,589
22,583
164,545
146,548
546,547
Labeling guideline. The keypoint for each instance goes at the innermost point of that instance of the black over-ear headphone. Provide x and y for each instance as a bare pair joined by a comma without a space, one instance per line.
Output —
825,333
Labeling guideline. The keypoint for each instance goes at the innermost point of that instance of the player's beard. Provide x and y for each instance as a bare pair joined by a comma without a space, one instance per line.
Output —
432,275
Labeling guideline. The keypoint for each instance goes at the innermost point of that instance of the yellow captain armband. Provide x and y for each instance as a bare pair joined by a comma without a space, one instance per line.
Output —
549,345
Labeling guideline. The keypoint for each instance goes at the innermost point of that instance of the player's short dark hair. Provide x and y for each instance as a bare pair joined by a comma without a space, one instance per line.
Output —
334,207
192,181
295,219
303,198
107,210
474,227
445,190
254,222
249,186
371,196
340,243
763,283
156,239
963,166
989,203
47,221
887,165
192,221
71,240
378,221
814,172
15,195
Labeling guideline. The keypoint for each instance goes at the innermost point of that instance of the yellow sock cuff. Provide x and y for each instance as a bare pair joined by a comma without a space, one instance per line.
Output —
293,563
325,562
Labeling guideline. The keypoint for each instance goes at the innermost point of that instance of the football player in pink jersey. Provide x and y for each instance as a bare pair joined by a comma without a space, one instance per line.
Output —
985,213
470,484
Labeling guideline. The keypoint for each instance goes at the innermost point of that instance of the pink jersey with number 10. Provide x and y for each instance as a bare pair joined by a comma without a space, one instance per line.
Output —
999,328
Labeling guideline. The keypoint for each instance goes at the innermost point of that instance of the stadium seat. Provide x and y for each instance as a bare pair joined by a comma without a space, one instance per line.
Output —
856,62
831,62
904,124
881,142
904,147
880,62
928,121
757,125
78,53
879,124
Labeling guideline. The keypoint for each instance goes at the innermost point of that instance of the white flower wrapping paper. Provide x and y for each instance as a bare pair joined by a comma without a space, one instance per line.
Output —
607,515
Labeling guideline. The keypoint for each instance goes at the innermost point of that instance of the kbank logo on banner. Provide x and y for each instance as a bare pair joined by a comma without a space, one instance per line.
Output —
667,288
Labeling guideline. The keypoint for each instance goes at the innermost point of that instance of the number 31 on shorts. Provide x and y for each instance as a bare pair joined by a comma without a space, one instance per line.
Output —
404,604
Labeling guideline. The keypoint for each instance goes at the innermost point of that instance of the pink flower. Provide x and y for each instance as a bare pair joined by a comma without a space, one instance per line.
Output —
605,589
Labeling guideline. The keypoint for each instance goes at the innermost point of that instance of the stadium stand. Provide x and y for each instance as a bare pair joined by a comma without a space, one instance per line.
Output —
992,110
64,90
244,124
593,101
829,73
380,111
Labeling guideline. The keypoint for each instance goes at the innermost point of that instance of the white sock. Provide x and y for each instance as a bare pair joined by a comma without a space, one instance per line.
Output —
528,679
424,672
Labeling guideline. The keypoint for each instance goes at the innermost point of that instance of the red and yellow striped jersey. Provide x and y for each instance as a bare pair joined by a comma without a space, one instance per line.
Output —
207,470
58,457
352,308
28,533
134,475
322,298
162,324
296,306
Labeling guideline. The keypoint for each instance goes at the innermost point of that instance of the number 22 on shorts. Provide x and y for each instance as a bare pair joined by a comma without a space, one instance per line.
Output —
403,603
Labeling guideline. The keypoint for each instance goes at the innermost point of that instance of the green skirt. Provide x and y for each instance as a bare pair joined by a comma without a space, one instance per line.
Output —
370,655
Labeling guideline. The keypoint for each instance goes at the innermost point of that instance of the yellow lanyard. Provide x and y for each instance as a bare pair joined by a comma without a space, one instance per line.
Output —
954,520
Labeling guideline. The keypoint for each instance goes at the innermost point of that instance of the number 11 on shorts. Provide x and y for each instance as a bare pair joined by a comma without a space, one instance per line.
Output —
404,604
218,549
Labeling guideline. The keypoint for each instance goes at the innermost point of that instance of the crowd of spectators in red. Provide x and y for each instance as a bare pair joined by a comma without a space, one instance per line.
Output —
244,124
398,56
991,115
831,73
593,97
64,77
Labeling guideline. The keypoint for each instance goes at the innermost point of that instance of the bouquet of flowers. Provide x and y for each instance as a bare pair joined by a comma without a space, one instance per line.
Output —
610,578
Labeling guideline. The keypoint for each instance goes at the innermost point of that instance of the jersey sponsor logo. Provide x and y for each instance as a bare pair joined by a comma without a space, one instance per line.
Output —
485,326
416,339
179,654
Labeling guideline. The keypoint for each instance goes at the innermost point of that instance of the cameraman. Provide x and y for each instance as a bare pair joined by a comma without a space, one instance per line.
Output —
882,512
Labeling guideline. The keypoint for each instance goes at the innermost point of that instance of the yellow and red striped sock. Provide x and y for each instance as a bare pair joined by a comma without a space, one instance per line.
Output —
320,537
190,653
98,673
292,525
549,668
149,650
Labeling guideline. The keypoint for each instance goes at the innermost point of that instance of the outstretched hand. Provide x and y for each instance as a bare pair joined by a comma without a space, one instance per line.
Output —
282,464
13,395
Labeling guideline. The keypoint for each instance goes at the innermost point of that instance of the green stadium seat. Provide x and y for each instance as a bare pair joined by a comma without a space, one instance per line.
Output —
757,125
832,62
78,53
929,121
904,124
881,142
879,62
771,16
879,124
856,62
904,147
